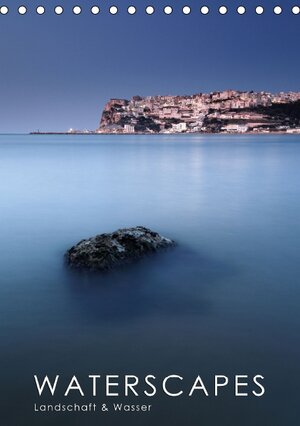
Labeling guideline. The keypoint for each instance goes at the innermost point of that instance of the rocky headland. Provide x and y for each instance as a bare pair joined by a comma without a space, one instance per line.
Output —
229,111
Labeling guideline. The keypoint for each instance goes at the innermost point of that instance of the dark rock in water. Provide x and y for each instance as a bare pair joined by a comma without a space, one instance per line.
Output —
107,251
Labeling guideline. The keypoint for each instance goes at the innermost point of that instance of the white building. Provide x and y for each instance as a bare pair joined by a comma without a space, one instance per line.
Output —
235,128
294,131
128,128
180,127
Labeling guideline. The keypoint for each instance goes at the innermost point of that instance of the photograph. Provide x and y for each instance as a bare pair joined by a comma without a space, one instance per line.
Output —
149,213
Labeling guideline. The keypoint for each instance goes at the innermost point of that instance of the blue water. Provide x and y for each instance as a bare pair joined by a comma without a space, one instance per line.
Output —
224,301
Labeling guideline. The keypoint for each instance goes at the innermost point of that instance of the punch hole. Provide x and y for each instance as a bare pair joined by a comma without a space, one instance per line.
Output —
4,10
168,10
186,10
59,10
241,10
113,10
204,10
223,10
277,10
131,10
77,10
40,10
95,10
22,10
150,10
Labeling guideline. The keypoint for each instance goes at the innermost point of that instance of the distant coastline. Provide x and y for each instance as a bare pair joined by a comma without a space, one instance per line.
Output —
163,134
227,112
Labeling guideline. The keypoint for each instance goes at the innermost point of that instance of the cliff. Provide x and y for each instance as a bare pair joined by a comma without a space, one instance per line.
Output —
218,112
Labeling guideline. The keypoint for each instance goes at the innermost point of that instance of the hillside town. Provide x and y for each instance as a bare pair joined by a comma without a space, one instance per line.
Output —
217,112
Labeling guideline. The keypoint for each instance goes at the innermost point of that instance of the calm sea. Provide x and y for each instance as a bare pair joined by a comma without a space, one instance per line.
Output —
224,301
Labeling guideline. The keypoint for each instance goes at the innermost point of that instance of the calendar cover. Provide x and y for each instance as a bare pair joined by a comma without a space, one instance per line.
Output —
150,204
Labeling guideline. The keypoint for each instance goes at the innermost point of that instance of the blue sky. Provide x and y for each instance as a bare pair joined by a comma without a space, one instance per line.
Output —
57,72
